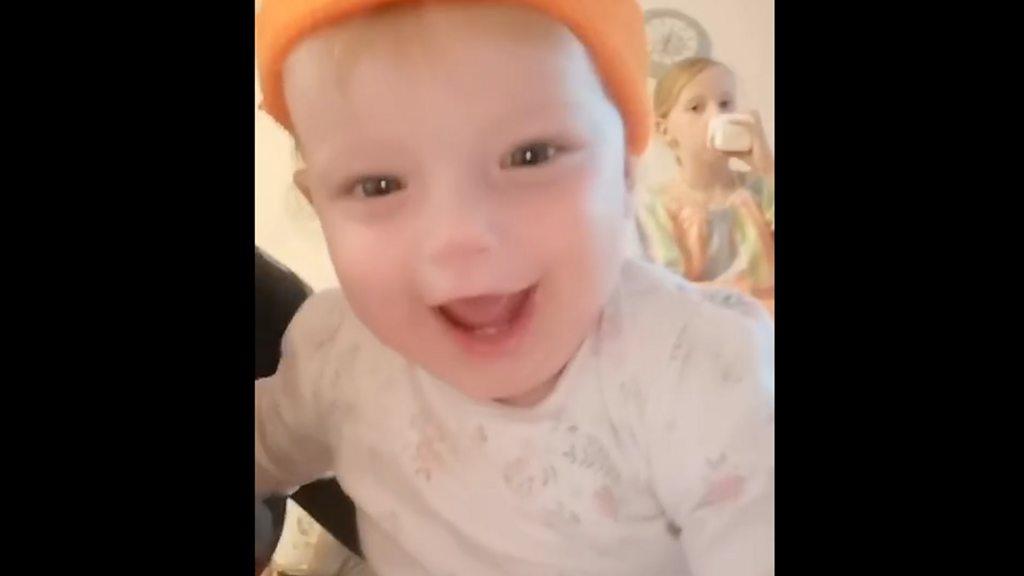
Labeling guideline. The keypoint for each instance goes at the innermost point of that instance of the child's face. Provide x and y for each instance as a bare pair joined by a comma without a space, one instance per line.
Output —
712,92
469,174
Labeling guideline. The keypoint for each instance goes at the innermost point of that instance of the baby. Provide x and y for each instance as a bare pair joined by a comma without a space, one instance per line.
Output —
497,387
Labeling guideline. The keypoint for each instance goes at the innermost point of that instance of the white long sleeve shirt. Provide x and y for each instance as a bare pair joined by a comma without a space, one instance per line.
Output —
654,455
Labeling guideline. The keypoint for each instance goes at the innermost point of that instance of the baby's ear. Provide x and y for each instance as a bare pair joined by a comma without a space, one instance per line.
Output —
301,180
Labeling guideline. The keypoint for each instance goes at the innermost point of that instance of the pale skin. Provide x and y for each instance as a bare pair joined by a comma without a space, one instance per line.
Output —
477,159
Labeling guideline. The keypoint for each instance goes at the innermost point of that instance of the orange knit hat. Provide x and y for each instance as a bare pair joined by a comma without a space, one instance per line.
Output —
612,31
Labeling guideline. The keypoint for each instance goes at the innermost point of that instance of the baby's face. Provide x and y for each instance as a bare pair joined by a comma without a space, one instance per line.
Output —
469,174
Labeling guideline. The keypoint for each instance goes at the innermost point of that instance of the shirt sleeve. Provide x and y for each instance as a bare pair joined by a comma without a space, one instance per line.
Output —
711,438
292,439
658,232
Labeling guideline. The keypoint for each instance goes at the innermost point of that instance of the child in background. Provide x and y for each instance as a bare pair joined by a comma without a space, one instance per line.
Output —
711,223
497,387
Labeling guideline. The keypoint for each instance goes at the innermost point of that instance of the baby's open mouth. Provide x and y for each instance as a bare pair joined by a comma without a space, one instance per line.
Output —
487,317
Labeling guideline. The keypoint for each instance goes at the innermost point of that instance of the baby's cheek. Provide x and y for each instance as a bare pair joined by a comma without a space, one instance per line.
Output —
368,261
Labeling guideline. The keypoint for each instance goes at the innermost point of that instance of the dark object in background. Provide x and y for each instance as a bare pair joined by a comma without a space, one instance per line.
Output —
279,294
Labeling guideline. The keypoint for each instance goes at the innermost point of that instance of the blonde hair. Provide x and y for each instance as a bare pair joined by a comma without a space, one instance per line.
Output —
672,83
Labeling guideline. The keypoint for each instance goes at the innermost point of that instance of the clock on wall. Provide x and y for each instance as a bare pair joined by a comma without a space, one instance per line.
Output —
673,36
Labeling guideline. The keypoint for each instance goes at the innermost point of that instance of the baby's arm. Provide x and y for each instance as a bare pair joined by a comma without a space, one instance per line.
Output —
711,442
292,439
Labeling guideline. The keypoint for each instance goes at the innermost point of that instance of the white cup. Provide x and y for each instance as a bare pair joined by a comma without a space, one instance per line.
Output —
731,133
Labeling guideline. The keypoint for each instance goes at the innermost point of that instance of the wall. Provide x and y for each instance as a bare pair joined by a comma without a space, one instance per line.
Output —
286,227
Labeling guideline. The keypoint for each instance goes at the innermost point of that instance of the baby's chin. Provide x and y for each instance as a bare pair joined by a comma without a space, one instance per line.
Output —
533,396
504,390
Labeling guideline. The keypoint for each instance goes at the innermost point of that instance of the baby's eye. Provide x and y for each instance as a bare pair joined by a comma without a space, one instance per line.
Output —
695,108
725,105
530,155
375,186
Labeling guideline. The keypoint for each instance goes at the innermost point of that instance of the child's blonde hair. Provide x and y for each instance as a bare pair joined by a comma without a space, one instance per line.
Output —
671,85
